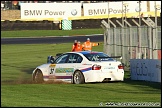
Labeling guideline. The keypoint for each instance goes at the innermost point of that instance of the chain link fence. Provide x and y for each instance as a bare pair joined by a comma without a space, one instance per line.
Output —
133,42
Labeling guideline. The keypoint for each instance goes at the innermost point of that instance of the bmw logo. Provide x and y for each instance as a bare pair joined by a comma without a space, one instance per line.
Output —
74,12
137,9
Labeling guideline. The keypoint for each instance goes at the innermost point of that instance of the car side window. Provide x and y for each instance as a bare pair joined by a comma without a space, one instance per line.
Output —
96,56
71,59
62,59
74,58
79,59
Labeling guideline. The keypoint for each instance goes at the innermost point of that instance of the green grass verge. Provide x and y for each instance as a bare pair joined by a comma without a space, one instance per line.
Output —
42,33
70,95
18,62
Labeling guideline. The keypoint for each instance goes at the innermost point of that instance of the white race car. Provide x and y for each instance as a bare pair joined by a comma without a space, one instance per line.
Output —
80,67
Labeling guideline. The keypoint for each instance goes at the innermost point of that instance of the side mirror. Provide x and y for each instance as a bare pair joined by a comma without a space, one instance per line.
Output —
50,59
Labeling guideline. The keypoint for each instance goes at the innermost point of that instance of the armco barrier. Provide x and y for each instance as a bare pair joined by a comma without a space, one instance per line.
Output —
145,69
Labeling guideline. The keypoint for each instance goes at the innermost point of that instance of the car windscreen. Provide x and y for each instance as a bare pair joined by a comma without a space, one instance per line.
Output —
98,57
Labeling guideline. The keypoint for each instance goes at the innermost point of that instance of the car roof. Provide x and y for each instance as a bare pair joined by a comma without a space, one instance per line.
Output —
86,52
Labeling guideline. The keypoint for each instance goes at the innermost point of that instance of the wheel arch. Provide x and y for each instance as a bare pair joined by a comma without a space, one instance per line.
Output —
34,72
75,72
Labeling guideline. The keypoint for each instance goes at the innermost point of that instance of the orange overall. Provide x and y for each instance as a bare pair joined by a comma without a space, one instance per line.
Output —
87,46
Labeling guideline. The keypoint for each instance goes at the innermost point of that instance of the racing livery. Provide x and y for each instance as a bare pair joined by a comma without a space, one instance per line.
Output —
80,67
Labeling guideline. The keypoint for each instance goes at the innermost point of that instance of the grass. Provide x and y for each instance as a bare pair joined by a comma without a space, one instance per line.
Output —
69,95
18,62
42,33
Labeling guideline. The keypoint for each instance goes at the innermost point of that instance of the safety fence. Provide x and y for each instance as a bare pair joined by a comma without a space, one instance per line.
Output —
132,42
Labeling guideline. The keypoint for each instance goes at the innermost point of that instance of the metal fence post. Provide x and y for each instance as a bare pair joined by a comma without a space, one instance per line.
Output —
149,38
139,39
130,39
154,38
122,41
106,28
114,38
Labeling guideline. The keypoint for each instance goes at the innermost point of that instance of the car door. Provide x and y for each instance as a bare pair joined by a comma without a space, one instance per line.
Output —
64,67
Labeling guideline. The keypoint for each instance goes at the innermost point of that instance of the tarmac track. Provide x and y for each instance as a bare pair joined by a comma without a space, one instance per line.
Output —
52,39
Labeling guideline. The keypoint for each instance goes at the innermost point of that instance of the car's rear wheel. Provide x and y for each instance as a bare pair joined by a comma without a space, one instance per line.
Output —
38,77
78,78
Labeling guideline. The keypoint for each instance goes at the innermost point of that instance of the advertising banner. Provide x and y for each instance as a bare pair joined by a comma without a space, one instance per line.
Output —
152,5
145,69
50,10
111,8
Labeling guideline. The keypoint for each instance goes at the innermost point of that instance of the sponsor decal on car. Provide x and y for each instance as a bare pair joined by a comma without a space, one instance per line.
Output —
64,70
52,65
109,68
86,69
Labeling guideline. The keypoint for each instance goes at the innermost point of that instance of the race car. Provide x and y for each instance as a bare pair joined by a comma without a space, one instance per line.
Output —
80,67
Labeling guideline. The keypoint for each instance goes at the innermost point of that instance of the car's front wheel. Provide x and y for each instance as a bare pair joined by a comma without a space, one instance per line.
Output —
38,77
78,78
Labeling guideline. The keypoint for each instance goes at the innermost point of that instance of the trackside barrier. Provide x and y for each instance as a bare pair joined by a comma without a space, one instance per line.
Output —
145,69
132,42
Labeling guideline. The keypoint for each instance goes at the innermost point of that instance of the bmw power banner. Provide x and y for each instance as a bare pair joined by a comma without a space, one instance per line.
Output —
50,10
114,8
